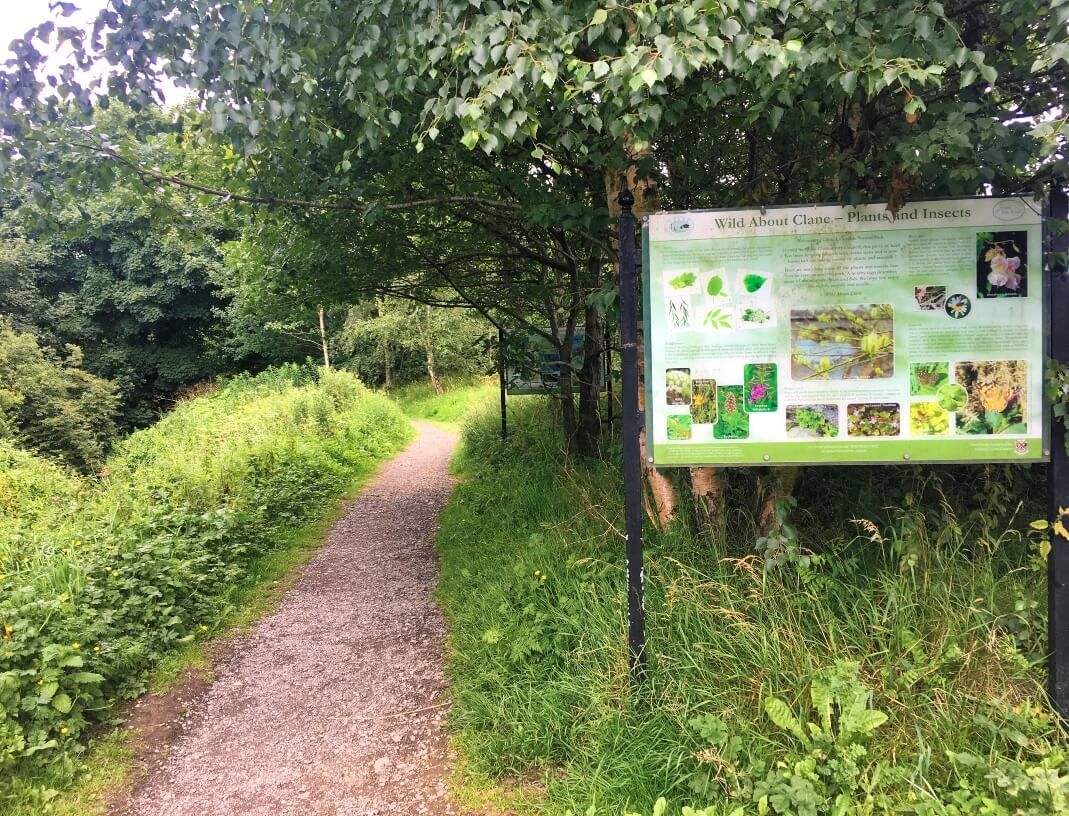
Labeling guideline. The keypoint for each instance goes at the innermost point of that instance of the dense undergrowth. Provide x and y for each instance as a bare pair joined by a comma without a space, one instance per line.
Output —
102,577
896,668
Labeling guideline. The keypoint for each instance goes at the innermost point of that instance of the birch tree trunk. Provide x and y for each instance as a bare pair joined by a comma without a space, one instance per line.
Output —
428,346
323,338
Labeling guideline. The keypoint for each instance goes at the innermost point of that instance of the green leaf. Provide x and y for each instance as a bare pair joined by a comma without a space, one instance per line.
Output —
601,68
62,703
470,139
753,282
649,76
600,16
715,286
780,714
849,82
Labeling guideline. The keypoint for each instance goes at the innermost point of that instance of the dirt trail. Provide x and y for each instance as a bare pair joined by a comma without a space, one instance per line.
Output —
333,705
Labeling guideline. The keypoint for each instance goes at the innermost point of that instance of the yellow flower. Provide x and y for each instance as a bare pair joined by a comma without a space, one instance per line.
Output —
995,397
96,648
64,730
76,645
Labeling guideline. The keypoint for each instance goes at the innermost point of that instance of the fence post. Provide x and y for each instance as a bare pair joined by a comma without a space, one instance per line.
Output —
636,622
501,383
1058,473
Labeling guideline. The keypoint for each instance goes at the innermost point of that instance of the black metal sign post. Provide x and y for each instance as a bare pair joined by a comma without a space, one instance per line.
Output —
636,619
501,383
1058,474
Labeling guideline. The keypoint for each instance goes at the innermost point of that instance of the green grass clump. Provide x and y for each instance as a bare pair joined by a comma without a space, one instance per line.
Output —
419,401
103,578
893,665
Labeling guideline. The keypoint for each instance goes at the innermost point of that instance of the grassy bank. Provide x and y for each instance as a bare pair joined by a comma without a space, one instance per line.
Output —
894,665
419,401
104,578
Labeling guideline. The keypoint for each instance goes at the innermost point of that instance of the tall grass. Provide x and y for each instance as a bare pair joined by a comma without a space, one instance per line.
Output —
103,577
920,596
461,396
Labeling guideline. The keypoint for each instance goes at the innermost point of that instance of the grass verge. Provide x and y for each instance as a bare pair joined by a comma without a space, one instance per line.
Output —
106,580
889,663
112,766
461,397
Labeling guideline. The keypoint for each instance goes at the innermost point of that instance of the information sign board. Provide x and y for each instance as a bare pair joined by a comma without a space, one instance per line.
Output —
534,363
826,334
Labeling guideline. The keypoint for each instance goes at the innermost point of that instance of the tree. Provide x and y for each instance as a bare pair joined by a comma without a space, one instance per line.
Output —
50,405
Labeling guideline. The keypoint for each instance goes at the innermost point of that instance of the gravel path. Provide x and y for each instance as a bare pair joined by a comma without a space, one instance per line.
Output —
333,706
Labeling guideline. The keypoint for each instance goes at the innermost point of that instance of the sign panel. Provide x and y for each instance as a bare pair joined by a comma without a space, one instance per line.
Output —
827,334
534,366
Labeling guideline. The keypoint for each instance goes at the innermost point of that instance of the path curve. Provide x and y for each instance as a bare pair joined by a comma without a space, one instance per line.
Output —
333,706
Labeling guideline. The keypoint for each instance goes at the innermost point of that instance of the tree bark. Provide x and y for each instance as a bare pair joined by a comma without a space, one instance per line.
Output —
428,346
323,338
769,490
592,374
707,489
387,352
665,498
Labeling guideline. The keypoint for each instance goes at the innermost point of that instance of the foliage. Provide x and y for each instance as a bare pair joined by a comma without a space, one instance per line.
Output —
131,280
50,405
1057,389
539,668
760,386
108,576
732,421
843,342
928,418
461,397
812,419
925,379
378,342
873,419
685,281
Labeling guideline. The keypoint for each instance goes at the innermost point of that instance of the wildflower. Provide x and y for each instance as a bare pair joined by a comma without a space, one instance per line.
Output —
96,648
1004,272
203,628
757,392
537,573
76,645
543,579
64,730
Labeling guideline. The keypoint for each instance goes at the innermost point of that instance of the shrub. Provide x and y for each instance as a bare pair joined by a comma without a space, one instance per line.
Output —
101,577
52,406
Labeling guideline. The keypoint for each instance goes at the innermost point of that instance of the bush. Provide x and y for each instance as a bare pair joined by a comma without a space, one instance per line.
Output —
52,406
99,578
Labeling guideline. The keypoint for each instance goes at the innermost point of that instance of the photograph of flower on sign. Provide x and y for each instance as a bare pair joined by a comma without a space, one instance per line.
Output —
846,334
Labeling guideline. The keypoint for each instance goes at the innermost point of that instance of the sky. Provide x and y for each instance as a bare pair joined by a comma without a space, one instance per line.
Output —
18,16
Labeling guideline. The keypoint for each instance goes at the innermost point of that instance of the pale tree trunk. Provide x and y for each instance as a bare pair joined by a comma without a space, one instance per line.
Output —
387,352
665,498
428,347
323,338
769,490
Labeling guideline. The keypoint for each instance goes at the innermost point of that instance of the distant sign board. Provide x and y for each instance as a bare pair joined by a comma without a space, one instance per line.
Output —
534,363
829,334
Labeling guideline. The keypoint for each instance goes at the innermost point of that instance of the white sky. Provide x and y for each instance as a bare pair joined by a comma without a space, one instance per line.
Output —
18,16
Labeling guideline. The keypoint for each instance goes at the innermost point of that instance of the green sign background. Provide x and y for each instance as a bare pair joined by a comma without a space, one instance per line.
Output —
828,334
